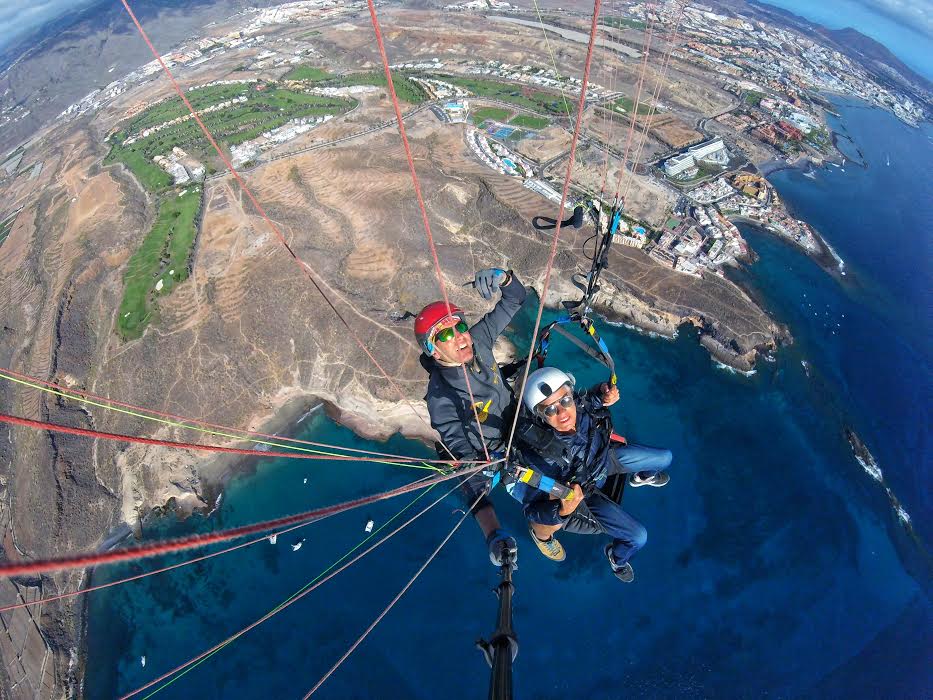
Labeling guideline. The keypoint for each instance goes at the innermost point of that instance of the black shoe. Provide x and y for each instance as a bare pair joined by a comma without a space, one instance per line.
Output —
624,572
656,479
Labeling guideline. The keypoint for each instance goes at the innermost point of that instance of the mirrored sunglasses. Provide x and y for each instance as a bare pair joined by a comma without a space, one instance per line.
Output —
445,334
552,410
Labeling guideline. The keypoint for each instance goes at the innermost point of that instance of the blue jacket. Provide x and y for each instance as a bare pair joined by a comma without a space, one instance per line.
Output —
580,457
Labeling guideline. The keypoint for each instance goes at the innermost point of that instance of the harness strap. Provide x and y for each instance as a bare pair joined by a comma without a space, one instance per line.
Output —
536,480
595,354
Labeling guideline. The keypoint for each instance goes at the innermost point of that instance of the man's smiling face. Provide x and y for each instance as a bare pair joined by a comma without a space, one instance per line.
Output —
457,349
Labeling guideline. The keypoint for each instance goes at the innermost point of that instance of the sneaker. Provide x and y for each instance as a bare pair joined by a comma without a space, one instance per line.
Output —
624,572
656,479
550,547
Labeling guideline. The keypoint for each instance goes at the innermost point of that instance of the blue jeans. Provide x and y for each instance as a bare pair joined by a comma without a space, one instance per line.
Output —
604,515
631,459
628,535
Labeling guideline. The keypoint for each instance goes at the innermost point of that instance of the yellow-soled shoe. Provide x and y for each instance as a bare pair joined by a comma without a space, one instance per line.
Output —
550,548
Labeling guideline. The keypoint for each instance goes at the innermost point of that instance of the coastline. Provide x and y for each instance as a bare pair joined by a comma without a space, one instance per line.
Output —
285,419
374,419
827,258
363,414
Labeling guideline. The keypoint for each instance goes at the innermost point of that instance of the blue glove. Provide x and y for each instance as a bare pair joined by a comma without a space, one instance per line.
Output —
487,281
500,542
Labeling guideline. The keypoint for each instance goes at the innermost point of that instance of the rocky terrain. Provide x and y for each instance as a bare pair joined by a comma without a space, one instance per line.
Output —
246,339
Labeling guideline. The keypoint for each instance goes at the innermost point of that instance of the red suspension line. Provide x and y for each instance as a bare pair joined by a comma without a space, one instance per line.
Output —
81,561
609,124
654,103
290,601
195,421
649,35
117,437
610,120
275,230
424,212
128,579
563,201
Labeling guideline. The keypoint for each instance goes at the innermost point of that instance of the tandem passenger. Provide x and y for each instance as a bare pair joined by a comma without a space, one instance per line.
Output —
567,436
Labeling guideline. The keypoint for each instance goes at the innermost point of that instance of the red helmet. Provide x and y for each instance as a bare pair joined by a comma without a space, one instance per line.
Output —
429,317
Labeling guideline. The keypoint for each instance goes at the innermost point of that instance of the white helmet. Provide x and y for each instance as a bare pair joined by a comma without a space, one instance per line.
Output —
542,383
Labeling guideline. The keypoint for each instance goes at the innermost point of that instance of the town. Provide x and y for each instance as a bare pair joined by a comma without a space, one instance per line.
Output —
778,78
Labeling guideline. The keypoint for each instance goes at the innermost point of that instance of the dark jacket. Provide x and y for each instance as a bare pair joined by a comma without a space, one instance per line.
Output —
449,400
581,457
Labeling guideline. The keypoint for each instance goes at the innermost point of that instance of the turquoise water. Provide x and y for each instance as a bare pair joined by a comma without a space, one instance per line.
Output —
774,566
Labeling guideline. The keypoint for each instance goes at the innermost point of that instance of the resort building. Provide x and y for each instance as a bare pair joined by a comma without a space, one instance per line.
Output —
684,165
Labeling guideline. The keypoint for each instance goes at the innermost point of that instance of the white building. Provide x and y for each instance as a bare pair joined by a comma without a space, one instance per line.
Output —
178,173
679,164
713,151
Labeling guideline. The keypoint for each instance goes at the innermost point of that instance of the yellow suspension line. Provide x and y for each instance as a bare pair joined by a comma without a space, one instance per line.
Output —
206,431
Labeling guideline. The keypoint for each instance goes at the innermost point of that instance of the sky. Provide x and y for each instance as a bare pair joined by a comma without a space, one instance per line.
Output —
19,17
904,26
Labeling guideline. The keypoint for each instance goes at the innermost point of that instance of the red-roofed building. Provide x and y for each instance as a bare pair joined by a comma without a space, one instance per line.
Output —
788,130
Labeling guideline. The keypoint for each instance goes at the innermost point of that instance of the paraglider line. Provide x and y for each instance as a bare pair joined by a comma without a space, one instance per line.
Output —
649,35
392,603
424,211
654,103
275,230
181,421
313,584
117,437
563,201
80,561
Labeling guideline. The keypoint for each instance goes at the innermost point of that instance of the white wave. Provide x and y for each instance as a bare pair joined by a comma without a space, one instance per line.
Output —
733,370
216,506
871,467
641,331
311,411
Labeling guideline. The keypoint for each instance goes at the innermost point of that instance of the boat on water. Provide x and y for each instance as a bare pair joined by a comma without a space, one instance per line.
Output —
369,526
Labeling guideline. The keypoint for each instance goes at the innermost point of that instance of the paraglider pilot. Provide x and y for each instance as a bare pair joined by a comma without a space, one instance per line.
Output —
448,345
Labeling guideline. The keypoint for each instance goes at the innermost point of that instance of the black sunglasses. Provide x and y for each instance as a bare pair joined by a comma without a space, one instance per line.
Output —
551,410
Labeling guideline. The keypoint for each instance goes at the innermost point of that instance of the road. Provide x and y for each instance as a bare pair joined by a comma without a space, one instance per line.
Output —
573,35
328,144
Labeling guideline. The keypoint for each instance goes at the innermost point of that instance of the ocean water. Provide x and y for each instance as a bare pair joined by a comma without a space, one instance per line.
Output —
775,565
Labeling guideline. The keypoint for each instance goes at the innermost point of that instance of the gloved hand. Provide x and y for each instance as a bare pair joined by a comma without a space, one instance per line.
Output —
487,281
500,542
